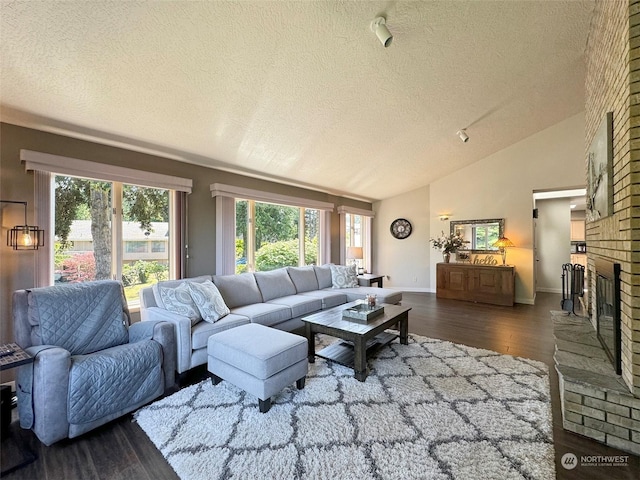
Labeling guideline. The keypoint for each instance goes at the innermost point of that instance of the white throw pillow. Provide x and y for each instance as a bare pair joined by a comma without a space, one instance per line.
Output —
178,300
209,301
344,276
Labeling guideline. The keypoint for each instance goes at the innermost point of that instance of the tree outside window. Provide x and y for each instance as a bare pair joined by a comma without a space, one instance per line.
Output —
270,236
484,237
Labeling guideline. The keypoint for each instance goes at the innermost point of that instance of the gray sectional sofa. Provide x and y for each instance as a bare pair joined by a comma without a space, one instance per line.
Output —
277,298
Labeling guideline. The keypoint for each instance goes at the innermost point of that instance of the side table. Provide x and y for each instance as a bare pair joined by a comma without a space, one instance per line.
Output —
11,461
14,359
366,279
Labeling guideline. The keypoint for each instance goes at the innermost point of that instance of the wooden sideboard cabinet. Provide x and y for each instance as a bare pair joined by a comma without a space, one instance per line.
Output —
476,283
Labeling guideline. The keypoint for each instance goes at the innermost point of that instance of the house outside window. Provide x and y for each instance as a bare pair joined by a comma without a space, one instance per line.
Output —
135,247
159,247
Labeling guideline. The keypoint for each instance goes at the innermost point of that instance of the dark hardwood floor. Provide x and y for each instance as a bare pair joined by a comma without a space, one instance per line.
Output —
120,450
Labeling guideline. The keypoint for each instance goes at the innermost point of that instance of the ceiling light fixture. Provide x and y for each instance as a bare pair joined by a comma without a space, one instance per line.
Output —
24,237
379,27
463,135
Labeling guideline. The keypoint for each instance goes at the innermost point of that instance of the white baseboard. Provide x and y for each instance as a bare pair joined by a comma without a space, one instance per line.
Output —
526,301
416,290
549,290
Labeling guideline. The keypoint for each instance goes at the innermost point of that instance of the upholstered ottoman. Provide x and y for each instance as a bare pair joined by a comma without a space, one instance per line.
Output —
258,359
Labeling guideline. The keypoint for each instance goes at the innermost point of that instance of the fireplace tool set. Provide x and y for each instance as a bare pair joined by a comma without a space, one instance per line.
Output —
572,286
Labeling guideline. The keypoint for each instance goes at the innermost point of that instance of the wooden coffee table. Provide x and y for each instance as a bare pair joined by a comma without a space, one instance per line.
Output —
359,337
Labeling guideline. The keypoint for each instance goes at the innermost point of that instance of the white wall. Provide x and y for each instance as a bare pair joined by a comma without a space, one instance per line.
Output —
553,242
498,186
405,262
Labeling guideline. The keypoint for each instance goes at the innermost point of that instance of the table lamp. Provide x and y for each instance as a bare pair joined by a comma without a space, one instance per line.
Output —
502,243
355,254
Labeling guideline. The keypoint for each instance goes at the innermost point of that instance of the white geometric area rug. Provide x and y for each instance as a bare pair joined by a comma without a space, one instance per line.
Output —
428,410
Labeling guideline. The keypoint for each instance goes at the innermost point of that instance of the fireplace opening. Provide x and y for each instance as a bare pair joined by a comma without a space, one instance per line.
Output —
608,310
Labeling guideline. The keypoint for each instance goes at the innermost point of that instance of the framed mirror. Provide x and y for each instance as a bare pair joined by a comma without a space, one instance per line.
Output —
480,234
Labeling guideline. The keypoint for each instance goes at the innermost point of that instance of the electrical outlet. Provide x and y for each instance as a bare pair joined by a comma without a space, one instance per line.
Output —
415,279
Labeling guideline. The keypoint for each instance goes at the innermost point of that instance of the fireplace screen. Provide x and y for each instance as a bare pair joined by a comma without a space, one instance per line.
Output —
608,310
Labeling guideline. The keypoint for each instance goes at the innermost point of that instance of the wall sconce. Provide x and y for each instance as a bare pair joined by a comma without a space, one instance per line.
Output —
379,27
463,135
503,243
444,218
24,237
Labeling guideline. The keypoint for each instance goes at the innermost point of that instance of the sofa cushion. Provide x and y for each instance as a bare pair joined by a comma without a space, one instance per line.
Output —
299,304
344,276
238,290
330,298
173,284
274,284
323,274
107,382
201,332
208,300
178,300
264,313
304,278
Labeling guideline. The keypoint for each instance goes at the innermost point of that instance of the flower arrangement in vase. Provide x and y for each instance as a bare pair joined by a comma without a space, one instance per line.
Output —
448,244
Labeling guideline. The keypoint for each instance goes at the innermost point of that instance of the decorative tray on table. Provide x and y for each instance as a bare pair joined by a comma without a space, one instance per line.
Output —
363,312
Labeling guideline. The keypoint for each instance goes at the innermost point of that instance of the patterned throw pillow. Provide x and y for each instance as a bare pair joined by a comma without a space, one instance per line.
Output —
209,301
178,300
344,276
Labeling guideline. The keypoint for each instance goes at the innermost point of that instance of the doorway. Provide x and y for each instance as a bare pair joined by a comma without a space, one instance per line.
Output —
558,235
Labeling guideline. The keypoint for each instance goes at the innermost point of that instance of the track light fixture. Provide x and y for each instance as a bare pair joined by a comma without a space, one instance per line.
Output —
379,27
463,135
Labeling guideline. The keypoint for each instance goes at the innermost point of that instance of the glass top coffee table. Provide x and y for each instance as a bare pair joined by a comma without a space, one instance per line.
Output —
359,337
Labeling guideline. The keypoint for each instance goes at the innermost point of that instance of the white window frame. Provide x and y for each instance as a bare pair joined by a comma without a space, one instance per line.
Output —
225,200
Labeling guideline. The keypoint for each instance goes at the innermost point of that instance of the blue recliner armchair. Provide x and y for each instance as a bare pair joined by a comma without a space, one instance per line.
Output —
91,366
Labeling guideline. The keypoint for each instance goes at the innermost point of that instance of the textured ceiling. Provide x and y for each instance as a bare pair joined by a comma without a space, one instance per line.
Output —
298,91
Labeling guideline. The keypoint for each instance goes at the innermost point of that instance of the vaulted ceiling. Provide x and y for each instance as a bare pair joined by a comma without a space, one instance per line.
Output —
298,91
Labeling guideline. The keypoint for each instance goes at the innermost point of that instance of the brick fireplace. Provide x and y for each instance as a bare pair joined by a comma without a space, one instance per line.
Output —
613,85
596,401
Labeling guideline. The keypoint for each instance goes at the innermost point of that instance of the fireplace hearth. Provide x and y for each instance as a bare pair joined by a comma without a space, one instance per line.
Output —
595,399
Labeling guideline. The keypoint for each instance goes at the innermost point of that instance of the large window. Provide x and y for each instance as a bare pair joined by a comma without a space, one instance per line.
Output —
107,230
259,231
107,222
270,236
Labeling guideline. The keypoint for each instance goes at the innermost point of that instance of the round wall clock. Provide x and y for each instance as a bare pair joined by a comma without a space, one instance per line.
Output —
400,228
